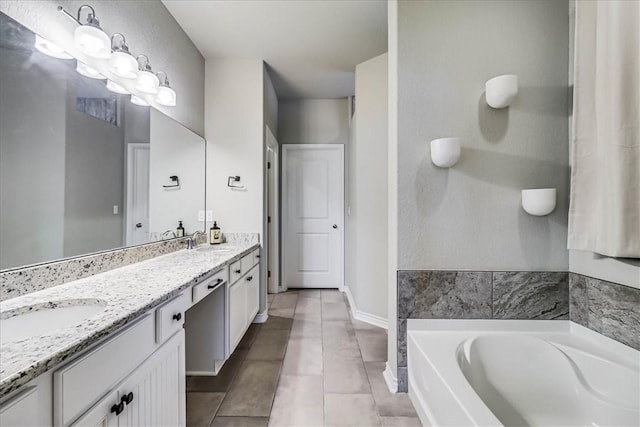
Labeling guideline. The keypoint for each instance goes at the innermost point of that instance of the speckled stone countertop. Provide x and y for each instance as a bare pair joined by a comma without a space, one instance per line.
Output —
128,293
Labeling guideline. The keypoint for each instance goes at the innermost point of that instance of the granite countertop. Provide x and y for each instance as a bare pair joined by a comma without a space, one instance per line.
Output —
128,292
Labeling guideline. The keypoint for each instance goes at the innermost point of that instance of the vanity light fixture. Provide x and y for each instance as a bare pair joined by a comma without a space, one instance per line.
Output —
116,88
147,82
87,71
121,62
50,48
139,101
89,37
166,95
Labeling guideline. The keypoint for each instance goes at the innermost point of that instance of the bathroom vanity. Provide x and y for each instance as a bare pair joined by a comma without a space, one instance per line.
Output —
145,325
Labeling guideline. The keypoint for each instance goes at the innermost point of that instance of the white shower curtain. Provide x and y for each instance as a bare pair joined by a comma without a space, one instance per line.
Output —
604,213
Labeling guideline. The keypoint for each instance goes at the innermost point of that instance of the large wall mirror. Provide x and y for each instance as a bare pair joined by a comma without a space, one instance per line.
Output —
82,169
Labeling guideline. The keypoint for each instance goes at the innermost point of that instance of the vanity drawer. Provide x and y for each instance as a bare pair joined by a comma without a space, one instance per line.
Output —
203,289
256,256
248,261
170,316
83,382
235,271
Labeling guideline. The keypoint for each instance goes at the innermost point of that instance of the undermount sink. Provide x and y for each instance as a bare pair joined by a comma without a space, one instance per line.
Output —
35,320
212,248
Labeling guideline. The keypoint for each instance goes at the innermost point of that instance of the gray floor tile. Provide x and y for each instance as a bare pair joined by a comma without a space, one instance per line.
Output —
276,322
339,339
270,344
302,328
400,422
350,410
202,407
373,344
309,293
334,311
251,393
240,422
303,357
359,325
332,295
222,381
298,402
282,312
270,297
250,336
345,376
388,404
285,300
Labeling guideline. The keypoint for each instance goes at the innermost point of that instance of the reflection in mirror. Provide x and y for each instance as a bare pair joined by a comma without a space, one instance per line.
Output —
78,173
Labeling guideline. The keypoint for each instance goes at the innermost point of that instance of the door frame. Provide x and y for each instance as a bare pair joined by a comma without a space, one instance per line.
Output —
273,202
286,148
128,217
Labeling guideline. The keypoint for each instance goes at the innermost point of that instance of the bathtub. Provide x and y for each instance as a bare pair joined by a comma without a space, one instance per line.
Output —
520,373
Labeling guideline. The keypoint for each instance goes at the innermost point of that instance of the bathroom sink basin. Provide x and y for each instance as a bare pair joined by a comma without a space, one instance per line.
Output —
35,320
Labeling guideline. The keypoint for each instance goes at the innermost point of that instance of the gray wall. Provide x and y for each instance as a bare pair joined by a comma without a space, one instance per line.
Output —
270,99
469,217
149,29
313,121
32,132
94,183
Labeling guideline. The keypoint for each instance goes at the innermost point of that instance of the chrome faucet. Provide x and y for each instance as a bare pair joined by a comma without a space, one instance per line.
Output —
192,241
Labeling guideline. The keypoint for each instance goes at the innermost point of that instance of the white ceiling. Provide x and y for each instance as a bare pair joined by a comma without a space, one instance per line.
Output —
311,46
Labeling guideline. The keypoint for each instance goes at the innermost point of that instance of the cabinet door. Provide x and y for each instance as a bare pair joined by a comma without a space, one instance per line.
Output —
157,389
253,293
22,410
100,414
237,312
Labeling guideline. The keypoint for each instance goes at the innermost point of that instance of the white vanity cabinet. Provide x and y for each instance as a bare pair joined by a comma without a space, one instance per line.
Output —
244,295
135,378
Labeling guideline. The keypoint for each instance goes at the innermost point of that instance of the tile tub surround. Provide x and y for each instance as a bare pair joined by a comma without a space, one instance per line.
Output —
22,281
128,291
431,294
605,307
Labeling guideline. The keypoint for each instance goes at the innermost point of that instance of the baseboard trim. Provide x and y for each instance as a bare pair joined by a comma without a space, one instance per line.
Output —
390,379
261,317
371,319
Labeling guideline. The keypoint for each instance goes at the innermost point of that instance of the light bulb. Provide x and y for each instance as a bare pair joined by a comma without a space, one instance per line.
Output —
123,65
50,48
139,101
87,71
166,96
92,41
116,88
147,82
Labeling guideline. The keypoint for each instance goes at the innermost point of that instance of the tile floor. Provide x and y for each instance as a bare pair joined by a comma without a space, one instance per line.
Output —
310,364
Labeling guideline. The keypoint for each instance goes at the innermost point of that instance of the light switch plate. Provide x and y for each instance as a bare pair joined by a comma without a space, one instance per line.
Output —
209,216
116,208
200,216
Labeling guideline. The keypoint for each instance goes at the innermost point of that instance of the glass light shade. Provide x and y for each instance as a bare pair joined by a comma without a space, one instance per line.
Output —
139,101
87,71
50,48
116,88
92,41
123,65
166,96
147,82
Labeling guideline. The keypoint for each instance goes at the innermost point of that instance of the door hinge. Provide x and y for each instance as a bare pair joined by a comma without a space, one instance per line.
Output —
268,165
268,273
269,220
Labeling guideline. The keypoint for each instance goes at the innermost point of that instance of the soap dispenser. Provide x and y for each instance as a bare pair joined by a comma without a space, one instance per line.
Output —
180,230
215,234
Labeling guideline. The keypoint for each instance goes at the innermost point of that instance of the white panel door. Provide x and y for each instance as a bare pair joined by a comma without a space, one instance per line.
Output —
313,191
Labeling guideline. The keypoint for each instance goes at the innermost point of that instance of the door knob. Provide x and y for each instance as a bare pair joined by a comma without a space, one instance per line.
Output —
139,225
335,226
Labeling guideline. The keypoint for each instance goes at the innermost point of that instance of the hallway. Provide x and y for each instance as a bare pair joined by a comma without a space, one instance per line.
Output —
310,364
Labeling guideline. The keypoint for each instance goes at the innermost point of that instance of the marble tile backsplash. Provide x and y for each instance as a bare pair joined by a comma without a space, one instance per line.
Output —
17,282
606,307
428,294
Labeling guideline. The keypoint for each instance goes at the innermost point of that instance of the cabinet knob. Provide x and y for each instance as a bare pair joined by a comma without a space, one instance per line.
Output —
127,398
118,408
335,226
249,278
177,317
258,256
238,271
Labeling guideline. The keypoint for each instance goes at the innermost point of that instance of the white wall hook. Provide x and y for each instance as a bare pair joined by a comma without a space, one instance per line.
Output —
501,91
445,152
539,201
